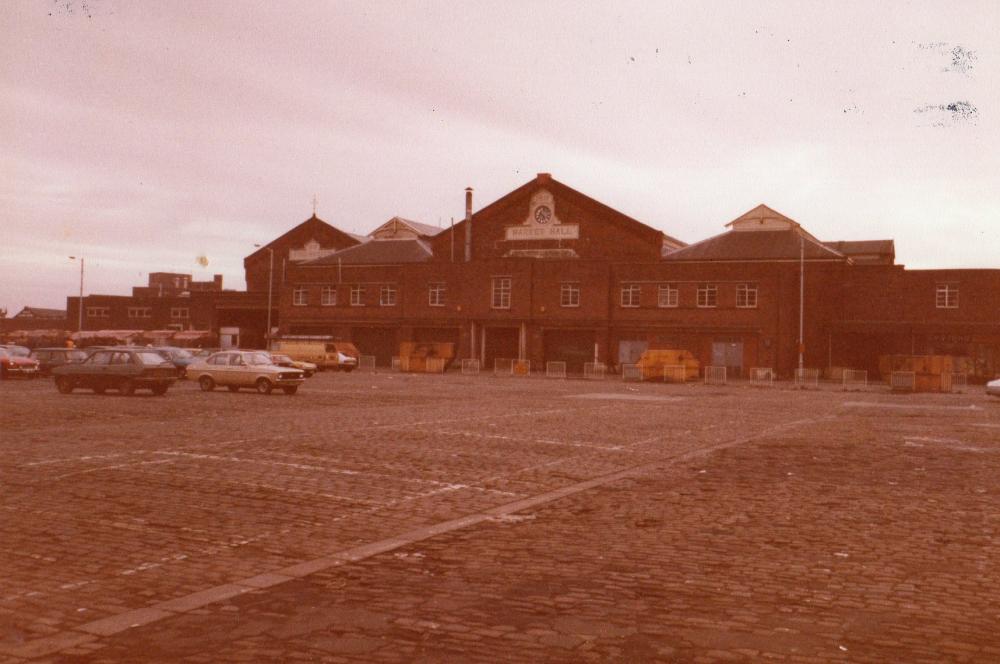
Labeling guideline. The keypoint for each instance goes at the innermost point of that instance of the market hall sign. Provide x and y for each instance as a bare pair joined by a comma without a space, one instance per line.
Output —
542,222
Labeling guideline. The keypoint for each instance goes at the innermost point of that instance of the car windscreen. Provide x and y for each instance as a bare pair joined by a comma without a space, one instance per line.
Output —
150,357
19,351
258,358
76,355
180,353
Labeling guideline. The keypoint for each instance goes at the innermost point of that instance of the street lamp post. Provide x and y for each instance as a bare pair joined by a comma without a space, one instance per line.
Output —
270,286
79,307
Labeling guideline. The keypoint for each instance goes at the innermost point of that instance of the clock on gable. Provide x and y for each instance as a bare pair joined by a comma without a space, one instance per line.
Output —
543,213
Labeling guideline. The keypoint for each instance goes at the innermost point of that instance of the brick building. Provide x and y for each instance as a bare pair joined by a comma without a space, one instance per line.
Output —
548,273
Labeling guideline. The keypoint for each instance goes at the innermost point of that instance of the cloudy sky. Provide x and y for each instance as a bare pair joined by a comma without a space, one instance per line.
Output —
172,136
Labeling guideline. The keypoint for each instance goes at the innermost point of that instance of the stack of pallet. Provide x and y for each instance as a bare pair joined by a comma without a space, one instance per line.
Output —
653,363
429,357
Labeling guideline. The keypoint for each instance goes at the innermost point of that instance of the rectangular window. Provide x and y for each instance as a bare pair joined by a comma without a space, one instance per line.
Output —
180,312
946,296
630,295
140,312
435,294
708,295
667,296
569,295
357,295
387,296
501,293
328,296
300,297
98,312
746,296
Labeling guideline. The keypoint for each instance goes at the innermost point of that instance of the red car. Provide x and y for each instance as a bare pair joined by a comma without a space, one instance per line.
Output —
14,362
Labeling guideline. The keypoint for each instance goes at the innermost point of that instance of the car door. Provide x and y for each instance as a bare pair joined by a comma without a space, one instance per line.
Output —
240,372
94,372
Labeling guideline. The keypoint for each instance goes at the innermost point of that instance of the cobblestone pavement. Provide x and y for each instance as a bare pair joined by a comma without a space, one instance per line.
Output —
386,517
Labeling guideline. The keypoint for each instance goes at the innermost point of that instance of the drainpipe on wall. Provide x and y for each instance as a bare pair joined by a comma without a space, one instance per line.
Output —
468,224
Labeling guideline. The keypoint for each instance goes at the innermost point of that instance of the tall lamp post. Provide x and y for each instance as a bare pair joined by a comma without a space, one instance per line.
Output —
79,306
270,285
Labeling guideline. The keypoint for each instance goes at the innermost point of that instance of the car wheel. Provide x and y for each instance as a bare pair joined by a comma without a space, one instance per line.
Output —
206,383
64,385
263,386
159,390
126,387
290,389
233,388
348,369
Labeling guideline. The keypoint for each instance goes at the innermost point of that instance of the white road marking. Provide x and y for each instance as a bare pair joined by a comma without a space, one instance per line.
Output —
904,406
542,441
615,396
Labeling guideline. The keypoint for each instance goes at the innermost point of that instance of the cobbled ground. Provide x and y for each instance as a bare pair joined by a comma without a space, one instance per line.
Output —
384,517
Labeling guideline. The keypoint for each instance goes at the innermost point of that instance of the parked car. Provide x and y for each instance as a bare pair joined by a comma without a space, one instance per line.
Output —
284,361
240,368
13,363
179,357
123,369
993,388
50,358
332,355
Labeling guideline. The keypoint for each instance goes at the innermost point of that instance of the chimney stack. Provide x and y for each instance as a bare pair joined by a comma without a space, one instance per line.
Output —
468,224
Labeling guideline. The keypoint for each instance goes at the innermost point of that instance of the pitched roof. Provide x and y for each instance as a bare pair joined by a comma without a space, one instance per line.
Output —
760,245
378,252
40,312
417,228
866,251
311,221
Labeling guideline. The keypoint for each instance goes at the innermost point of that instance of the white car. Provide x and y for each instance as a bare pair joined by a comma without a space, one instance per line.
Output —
993,387
238,368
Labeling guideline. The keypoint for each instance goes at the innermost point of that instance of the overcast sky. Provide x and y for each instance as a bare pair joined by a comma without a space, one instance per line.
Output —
172,136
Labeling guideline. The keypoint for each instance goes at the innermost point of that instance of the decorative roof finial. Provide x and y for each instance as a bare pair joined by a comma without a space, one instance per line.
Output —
314,205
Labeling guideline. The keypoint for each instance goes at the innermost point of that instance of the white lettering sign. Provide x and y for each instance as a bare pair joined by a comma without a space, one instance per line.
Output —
556,232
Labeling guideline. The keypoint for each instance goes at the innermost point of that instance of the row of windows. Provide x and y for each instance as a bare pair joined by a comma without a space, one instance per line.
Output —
668,296
138,312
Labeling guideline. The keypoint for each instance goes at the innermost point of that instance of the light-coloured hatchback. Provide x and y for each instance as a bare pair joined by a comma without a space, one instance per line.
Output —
237,368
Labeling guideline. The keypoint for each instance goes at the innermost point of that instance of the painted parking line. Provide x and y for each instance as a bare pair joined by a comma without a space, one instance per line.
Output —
618,396
906,406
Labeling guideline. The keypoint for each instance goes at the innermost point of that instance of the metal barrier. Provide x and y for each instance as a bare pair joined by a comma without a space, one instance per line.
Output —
903,381
595,370
959,381
366,363
806,378
470,367
855,379
397,363
631,372
761,377
674,373
434,364
503,367
715,375
555,369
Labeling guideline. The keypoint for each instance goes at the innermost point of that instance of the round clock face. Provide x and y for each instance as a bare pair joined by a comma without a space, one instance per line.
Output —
543,214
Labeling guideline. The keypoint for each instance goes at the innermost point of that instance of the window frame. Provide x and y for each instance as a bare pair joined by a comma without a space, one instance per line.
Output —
140,312
176,313
749,293
630,296
324,299
569,294
500,292
708,296
950,292
436,291
300,296
98,312
387,295
357,295
672,299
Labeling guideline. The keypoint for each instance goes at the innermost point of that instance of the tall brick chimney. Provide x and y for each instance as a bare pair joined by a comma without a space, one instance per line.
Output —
468,224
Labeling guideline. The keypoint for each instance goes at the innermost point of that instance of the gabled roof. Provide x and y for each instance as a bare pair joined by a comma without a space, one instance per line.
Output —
378,252
779,238
425,230
39,312
314,221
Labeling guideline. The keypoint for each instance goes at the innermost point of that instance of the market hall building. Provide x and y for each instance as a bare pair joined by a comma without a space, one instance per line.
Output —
546,273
